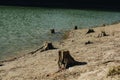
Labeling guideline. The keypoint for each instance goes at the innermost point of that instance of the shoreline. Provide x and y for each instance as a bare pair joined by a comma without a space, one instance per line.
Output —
101,55
17,39
65,35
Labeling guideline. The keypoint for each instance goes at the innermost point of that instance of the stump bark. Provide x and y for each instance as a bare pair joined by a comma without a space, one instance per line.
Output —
65,60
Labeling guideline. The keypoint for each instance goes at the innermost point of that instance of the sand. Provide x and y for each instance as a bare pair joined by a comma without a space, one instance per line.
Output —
102,54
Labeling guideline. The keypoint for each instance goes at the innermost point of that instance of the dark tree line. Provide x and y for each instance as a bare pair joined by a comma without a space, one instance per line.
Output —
89,4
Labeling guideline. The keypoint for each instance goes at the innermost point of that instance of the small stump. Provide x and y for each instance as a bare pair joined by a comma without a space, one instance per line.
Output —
52,31
47,46
90,31
65,60
104,25
1,64
102,34
75,28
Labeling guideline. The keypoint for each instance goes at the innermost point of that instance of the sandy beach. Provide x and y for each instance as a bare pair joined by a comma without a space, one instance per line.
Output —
102,54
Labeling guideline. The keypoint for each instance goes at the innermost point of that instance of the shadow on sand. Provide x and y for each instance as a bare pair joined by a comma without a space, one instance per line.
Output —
76,63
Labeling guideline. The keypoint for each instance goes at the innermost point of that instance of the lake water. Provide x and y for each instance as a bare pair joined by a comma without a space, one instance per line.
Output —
26,28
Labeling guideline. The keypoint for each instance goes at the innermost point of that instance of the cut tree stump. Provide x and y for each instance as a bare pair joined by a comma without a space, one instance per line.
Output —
75,28
47,46
65,60
102,34
90,31
1,64
52,31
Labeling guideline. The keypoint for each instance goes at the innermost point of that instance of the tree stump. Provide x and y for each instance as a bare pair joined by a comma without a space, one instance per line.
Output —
52,31
102,34
47,46
65,60
90,31
75,28
104,25
1,64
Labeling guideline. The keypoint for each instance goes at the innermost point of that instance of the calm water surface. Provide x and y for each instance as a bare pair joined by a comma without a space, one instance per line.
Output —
26,28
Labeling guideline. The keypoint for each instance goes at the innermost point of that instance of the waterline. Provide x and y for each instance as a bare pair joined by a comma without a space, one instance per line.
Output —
24,28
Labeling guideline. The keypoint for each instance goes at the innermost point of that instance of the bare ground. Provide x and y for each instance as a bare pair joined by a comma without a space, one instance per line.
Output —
100,56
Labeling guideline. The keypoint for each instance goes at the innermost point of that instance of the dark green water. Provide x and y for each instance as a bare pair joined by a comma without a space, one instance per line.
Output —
24,28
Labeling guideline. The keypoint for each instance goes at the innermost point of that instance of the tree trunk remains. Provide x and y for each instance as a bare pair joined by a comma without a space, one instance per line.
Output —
102,34
75,28
52,31
65,59
90,31
47,46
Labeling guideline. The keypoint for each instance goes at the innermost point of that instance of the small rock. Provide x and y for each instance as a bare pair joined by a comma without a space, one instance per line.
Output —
88,42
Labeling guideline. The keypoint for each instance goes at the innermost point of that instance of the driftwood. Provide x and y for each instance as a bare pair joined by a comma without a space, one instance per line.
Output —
46,46
90,31
9,60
